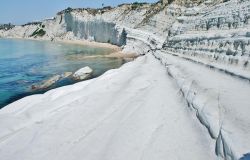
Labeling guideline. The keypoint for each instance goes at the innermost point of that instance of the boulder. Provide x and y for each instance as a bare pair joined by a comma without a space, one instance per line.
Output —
66,74
52,80
46,83
83,73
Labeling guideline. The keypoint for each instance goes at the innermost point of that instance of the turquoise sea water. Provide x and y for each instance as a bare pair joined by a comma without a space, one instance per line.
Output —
26,62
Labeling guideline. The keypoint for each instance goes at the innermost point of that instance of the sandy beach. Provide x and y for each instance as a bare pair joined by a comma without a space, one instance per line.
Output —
116,53
91,43
116,50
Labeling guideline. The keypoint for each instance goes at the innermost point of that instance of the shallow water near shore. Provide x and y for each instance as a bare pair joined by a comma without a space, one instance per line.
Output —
26,62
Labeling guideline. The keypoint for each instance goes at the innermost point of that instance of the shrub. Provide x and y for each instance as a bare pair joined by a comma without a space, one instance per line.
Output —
135,5
38,32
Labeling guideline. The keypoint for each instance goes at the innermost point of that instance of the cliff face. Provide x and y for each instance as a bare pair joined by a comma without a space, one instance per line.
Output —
96,30
101,25
219,33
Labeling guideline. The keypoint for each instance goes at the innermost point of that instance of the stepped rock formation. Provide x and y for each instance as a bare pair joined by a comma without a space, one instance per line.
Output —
186,97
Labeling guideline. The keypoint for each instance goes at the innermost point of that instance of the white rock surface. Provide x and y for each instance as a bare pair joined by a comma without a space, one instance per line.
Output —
218,100
124,114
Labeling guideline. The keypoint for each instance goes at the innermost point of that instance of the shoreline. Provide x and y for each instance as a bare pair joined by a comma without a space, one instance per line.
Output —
90,43
80,42
116,50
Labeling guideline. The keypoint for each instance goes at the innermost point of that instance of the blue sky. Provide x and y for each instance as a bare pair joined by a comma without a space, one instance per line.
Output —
22,11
